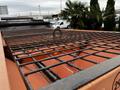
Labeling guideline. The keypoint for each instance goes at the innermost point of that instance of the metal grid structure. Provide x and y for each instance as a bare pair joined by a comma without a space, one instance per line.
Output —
51,58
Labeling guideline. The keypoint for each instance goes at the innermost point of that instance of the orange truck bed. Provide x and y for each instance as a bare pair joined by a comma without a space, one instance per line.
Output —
86,62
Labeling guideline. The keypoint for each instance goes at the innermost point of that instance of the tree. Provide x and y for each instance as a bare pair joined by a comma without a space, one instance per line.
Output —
96,14
75,12
109,15
119,24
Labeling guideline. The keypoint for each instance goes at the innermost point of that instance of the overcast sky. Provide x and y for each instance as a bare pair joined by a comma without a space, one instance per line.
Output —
47,6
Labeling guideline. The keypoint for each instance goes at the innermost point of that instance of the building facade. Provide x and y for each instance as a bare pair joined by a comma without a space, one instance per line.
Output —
3,10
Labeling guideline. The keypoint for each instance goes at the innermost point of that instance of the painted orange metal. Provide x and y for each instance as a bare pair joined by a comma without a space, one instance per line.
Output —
4,82
39,79
109,81
62,70
83,64
15,79
95,58
107,54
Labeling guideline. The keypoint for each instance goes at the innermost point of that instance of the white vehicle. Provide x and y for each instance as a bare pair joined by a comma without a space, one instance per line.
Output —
61,24
0,19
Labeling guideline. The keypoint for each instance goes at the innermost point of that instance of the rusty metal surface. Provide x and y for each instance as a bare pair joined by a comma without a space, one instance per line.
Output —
48,55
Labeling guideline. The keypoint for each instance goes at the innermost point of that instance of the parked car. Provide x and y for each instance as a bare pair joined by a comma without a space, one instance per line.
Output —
63,24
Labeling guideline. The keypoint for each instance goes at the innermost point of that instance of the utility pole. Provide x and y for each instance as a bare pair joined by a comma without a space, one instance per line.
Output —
39,9
48,12
60,5
30,13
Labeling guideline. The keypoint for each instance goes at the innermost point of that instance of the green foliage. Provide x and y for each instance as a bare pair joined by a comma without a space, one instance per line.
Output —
84,17
109,16
76,13
119,24
96,14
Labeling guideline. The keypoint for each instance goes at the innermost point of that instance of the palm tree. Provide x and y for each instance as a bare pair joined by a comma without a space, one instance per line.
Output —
76,13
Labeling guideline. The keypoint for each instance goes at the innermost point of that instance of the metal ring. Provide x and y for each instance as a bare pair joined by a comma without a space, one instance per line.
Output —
57,34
